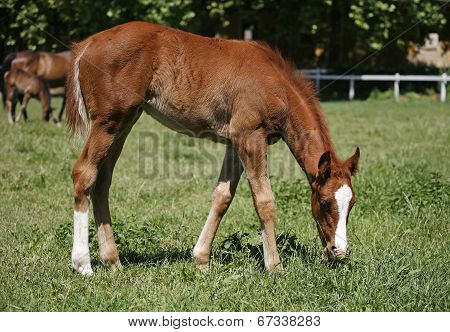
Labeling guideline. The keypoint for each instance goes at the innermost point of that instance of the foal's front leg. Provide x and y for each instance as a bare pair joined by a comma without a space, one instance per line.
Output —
11,96
253,153
221,199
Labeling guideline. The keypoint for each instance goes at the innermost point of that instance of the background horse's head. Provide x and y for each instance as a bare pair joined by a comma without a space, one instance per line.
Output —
332,200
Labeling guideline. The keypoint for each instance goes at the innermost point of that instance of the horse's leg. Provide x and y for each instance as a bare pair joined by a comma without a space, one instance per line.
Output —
253,152
23,107
47,112
61,112
10,96
222,196
109,255
101,141
18,98
25,114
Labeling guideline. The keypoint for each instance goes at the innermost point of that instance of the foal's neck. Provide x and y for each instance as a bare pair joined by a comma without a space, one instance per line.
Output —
308,137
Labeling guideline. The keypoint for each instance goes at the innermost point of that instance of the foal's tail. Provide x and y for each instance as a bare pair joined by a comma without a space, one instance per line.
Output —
77,112
6,66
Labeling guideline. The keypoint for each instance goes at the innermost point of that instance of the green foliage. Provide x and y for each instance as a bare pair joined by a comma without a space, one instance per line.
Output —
343,32
51,25
379,21
376,94
388,94
411,95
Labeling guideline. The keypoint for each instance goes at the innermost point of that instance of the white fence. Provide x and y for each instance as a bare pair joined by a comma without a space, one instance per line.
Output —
320,75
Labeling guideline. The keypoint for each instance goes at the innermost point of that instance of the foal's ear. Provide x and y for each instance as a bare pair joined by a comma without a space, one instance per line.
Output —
352,162
324,167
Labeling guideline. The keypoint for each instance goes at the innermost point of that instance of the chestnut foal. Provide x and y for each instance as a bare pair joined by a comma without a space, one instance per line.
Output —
239,93
52,67
20,81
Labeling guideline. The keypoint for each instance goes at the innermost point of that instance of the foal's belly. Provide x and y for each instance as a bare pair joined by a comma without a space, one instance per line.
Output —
189,122
19,90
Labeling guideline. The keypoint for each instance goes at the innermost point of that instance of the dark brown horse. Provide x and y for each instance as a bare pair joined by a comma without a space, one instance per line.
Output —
239,93
19,81
52,67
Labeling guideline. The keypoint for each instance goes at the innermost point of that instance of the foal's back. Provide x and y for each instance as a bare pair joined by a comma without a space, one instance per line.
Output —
189,82
25,82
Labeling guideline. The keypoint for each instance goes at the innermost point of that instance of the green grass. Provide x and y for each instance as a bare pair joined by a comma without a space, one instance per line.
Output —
399,229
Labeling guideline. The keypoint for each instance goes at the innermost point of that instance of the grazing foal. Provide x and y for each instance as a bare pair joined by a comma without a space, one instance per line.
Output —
238,93
52,67
19,81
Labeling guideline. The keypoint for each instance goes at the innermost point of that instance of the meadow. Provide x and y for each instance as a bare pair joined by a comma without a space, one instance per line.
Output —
160,197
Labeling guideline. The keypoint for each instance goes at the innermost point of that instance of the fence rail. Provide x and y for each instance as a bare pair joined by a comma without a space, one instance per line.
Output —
318,75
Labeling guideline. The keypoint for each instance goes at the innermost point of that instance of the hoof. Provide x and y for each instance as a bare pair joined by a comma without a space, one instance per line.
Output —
82,264
110,259
276,268
116,267
85,270
202,267
201,259
201,263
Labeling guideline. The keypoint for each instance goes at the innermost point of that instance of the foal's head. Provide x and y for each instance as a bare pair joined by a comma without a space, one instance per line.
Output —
332,200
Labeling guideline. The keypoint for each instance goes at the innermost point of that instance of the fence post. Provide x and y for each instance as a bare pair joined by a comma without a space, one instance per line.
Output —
443,87
397,87
317,80
351,91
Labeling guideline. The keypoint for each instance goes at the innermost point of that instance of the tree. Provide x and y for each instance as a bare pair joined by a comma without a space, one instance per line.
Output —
328,33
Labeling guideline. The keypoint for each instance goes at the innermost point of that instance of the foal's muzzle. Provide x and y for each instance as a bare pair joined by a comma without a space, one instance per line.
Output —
335,254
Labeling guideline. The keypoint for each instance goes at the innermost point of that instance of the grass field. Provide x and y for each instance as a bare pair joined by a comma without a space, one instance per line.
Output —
160,197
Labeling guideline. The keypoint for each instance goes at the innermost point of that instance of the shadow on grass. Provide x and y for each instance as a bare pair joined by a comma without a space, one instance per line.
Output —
170,256
288,246
233,247
228,251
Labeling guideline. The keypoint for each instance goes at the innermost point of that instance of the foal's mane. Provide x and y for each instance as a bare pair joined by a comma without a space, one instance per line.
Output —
304,88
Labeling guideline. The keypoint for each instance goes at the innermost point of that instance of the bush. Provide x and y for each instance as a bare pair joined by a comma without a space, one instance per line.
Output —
381,95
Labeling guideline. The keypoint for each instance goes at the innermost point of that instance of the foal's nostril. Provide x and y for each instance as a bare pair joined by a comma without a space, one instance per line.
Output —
333,248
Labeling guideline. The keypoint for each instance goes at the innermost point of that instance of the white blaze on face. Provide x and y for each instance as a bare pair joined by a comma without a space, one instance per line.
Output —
343,197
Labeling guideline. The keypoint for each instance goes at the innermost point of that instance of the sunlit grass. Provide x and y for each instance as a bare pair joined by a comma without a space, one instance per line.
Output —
399,229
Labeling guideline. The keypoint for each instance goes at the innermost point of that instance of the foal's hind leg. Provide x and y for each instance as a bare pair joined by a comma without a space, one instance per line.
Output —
103,135
23,107
253,152
18,98
109,255
222,197
84,174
